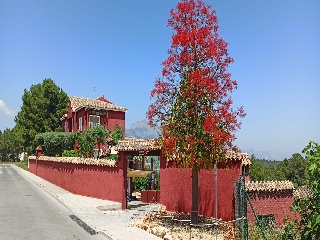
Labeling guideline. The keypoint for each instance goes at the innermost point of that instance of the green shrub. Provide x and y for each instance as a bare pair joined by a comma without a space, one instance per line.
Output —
271,232
86,143
54,143
70,153
113,157
22,164
116,135
308,226
145,183
139,184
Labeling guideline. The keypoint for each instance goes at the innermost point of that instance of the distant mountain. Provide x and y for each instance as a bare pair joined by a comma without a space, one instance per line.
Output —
259,154
142,130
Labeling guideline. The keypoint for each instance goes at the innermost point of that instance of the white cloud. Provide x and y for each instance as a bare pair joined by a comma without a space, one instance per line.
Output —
5,110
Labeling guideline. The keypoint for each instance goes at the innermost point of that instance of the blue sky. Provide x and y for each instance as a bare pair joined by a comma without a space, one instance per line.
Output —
115,48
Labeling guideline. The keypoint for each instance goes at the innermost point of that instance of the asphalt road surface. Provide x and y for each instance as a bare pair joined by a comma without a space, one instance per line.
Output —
28,212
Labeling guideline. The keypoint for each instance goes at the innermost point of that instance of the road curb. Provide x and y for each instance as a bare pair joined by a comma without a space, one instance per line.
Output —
22,171
106,235
63,196
25,173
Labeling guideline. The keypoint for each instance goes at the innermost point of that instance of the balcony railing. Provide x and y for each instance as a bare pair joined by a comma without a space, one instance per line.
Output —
93,124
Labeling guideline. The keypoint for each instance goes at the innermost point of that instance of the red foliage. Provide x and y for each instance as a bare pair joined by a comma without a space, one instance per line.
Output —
192,98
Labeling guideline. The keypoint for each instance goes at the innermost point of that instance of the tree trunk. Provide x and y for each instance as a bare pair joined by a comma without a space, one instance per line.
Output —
195,188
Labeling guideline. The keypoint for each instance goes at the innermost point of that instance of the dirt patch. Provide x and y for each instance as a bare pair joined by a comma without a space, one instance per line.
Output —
174,226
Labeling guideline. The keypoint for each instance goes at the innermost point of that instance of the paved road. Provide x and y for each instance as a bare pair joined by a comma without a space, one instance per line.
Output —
27,212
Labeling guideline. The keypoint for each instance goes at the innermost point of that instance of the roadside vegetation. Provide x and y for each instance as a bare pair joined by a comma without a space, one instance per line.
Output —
38,123
22,164
42,107
292,169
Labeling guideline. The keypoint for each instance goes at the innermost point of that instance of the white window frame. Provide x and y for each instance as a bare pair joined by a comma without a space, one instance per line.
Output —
90,121
72,124
80,123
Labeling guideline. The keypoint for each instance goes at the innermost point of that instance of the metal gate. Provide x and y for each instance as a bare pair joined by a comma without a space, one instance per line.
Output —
240,207
241,198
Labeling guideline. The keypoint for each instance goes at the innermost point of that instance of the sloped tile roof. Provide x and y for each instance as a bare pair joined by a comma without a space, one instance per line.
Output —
236,156
78,160
270,186
80,102
133,144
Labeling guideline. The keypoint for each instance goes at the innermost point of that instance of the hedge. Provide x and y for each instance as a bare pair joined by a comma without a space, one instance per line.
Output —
54,143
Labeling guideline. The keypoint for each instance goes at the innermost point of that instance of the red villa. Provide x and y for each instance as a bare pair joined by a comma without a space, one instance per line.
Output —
218,194
84,113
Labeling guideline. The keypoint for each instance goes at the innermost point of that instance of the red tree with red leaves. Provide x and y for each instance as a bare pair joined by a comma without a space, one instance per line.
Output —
192,98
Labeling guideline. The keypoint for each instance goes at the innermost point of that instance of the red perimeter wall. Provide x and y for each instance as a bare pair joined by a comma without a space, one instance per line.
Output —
175,187
150,196
89,180
277,203
32,166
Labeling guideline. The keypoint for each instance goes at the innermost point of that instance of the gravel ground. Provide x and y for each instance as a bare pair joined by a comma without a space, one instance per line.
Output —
174,226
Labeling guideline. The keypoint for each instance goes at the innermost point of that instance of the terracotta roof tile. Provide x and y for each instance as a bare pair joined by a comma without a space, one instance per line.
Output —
302,192
80,102
133,144
233,156
78,160
269,186
236,156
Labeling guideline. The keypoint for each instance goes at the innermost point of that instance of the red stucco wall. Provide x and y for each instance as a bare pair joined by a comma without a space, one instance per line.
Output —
88,180
277,203
81,113
69,113
114,118
150,196
32,166
175,187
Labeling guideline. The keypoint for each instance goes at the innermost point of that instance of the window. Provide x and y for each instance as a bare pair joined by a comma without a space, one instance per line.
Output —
72,125
94,121
80,123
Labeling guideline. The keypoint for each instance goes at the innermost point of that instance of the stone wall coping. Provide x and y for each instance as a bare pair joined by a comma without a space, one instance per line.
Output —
302,192
269,186
77,160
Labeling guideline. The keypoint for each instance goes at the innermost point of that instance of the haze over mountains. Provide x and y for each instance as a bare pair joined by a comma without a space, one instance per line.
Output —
259,154
142,130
